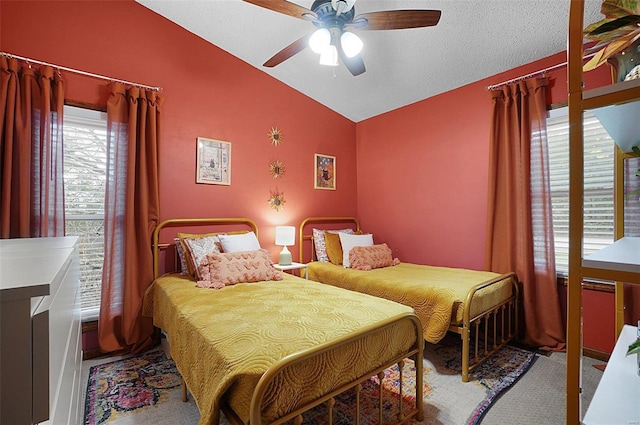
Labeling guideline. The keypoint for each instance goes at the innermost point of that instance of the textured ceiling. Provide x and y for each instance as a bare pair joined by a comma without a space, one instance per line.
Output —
473,40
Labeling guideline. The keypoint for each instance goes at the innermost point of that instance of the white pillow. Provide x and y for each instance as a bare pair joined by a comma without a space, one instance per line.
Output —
349,241
242,242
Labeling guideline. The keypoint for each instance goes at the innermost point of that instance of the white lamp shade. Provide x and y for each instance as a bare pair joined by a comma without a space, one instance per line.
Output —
329,56
619,121
319,40
351,44
285,235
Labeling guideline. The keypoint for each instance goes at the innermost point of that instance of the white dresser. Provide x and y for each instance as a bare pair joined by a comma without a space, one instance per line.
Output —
40,331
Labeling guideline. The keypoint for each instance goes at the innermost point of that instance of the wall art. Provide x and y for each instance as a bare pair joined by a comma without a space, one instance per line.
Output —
324,172
276,200
213,162
275,136
276,169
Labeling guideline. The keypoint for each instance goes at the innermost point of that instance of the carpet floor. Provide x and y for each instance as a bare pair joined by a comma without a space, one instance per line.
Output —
145,389
539,396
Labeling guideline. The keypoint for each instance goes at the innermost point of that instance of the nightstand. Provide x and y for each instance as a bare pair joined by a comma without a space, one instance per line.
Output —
294,266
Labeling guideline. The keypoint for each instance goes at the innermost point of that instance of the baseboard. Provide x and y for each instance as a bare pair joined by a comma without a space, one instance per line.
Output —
596,354
93,353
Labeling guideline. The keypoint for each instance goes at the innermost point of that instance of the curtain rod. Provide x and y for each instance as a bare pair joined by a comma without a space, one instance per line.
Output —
533,74
77,71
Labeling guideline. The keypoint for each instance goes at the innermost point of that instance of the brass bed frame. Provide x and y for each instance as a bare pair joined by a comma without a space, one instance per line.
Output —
490,329
285,364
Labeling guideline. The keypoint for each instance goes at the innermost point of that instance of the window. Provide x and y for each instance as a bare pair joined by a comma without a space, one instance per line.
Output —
599,155
85,161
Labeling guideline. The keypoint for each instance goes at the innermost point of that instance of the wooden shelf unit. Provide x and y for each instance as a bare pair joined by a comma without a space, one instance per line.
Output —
619,262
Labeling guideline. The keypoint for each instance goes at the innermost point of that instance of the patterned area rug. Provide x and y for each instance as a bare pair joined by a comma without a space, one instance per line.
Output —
146,389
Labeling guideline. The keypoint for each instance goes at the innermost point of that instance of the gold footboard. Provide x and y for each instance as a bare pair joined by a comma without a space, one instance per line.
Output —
271,381
266,394
488,330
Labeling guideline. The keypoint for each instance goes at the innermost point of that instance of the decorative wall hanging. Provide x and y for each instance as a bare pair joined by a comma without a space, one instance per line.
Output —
276,169
276,200
213,163
325,172
276,136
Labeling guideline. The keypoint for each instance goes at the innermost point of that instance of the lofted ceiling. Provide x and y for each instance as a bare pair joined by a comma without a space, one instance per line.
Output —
474,39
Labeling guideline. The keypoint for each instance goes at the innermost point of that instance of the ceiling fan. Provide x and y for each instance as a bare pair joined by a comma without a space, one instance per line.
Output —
334,19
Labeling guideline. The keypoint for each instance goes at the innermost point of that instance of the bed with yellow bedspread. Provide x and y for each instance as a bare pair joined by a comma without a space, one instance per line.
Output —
445,299
437,294
270,349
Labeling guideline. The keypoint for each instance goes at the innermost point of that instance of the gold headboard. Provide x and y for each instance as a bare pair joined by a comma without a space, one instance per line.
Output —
186,222
321,220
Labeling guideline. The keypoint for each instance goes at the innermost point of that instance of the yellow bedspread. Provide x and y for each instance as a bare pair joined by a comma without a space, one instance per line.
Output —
224,340
437,294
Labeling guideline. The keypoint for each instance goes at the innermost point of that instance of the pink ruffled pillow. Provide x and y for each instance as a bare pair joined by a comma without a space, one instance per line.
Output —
228,268
371,257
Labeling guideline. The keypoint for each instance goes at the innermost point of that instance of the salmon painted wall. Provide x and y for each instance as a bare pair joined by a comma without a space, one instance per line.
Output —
209,93
422,181
423,169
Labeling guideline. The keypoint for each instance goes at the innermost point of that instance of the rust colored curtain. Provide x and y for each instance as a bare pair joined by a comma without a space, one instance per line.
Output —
131,214
519,228
31,155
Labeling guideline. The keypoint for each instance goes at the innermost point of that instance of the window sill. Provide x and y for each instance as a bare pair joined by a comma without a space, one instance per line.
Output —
90,315
594,285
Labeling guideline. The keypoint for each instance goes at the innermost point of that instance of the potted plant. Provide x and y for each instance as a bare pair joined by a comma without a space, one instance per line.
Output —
634,348
616,37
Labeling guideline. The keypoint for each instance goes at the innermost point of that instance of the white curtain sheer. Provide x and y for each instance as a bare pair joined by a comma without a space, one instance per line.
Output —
541,213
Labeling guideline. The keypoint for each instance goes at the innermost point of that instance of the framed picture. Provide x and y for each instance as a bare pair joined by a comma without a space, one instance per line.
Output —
325,172
213,162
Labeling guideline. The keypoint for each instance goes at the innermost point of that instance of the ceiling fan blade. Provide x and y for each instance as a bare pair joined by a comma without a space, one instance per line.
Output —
292,49
285,7
396,19
355,65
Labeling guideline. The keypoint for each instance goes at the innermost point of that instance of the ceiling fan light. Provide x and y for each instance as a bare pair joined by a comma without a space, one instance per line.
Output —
329,56
319,40
351,44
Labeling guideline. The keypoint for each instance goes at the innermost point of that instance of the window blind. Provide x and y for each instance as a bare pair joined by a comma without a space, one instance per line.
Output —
85,156
599,155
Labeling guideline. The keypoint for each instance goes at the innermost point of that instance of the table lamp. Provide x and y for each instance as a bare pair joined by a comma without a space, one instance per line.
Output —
285,235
